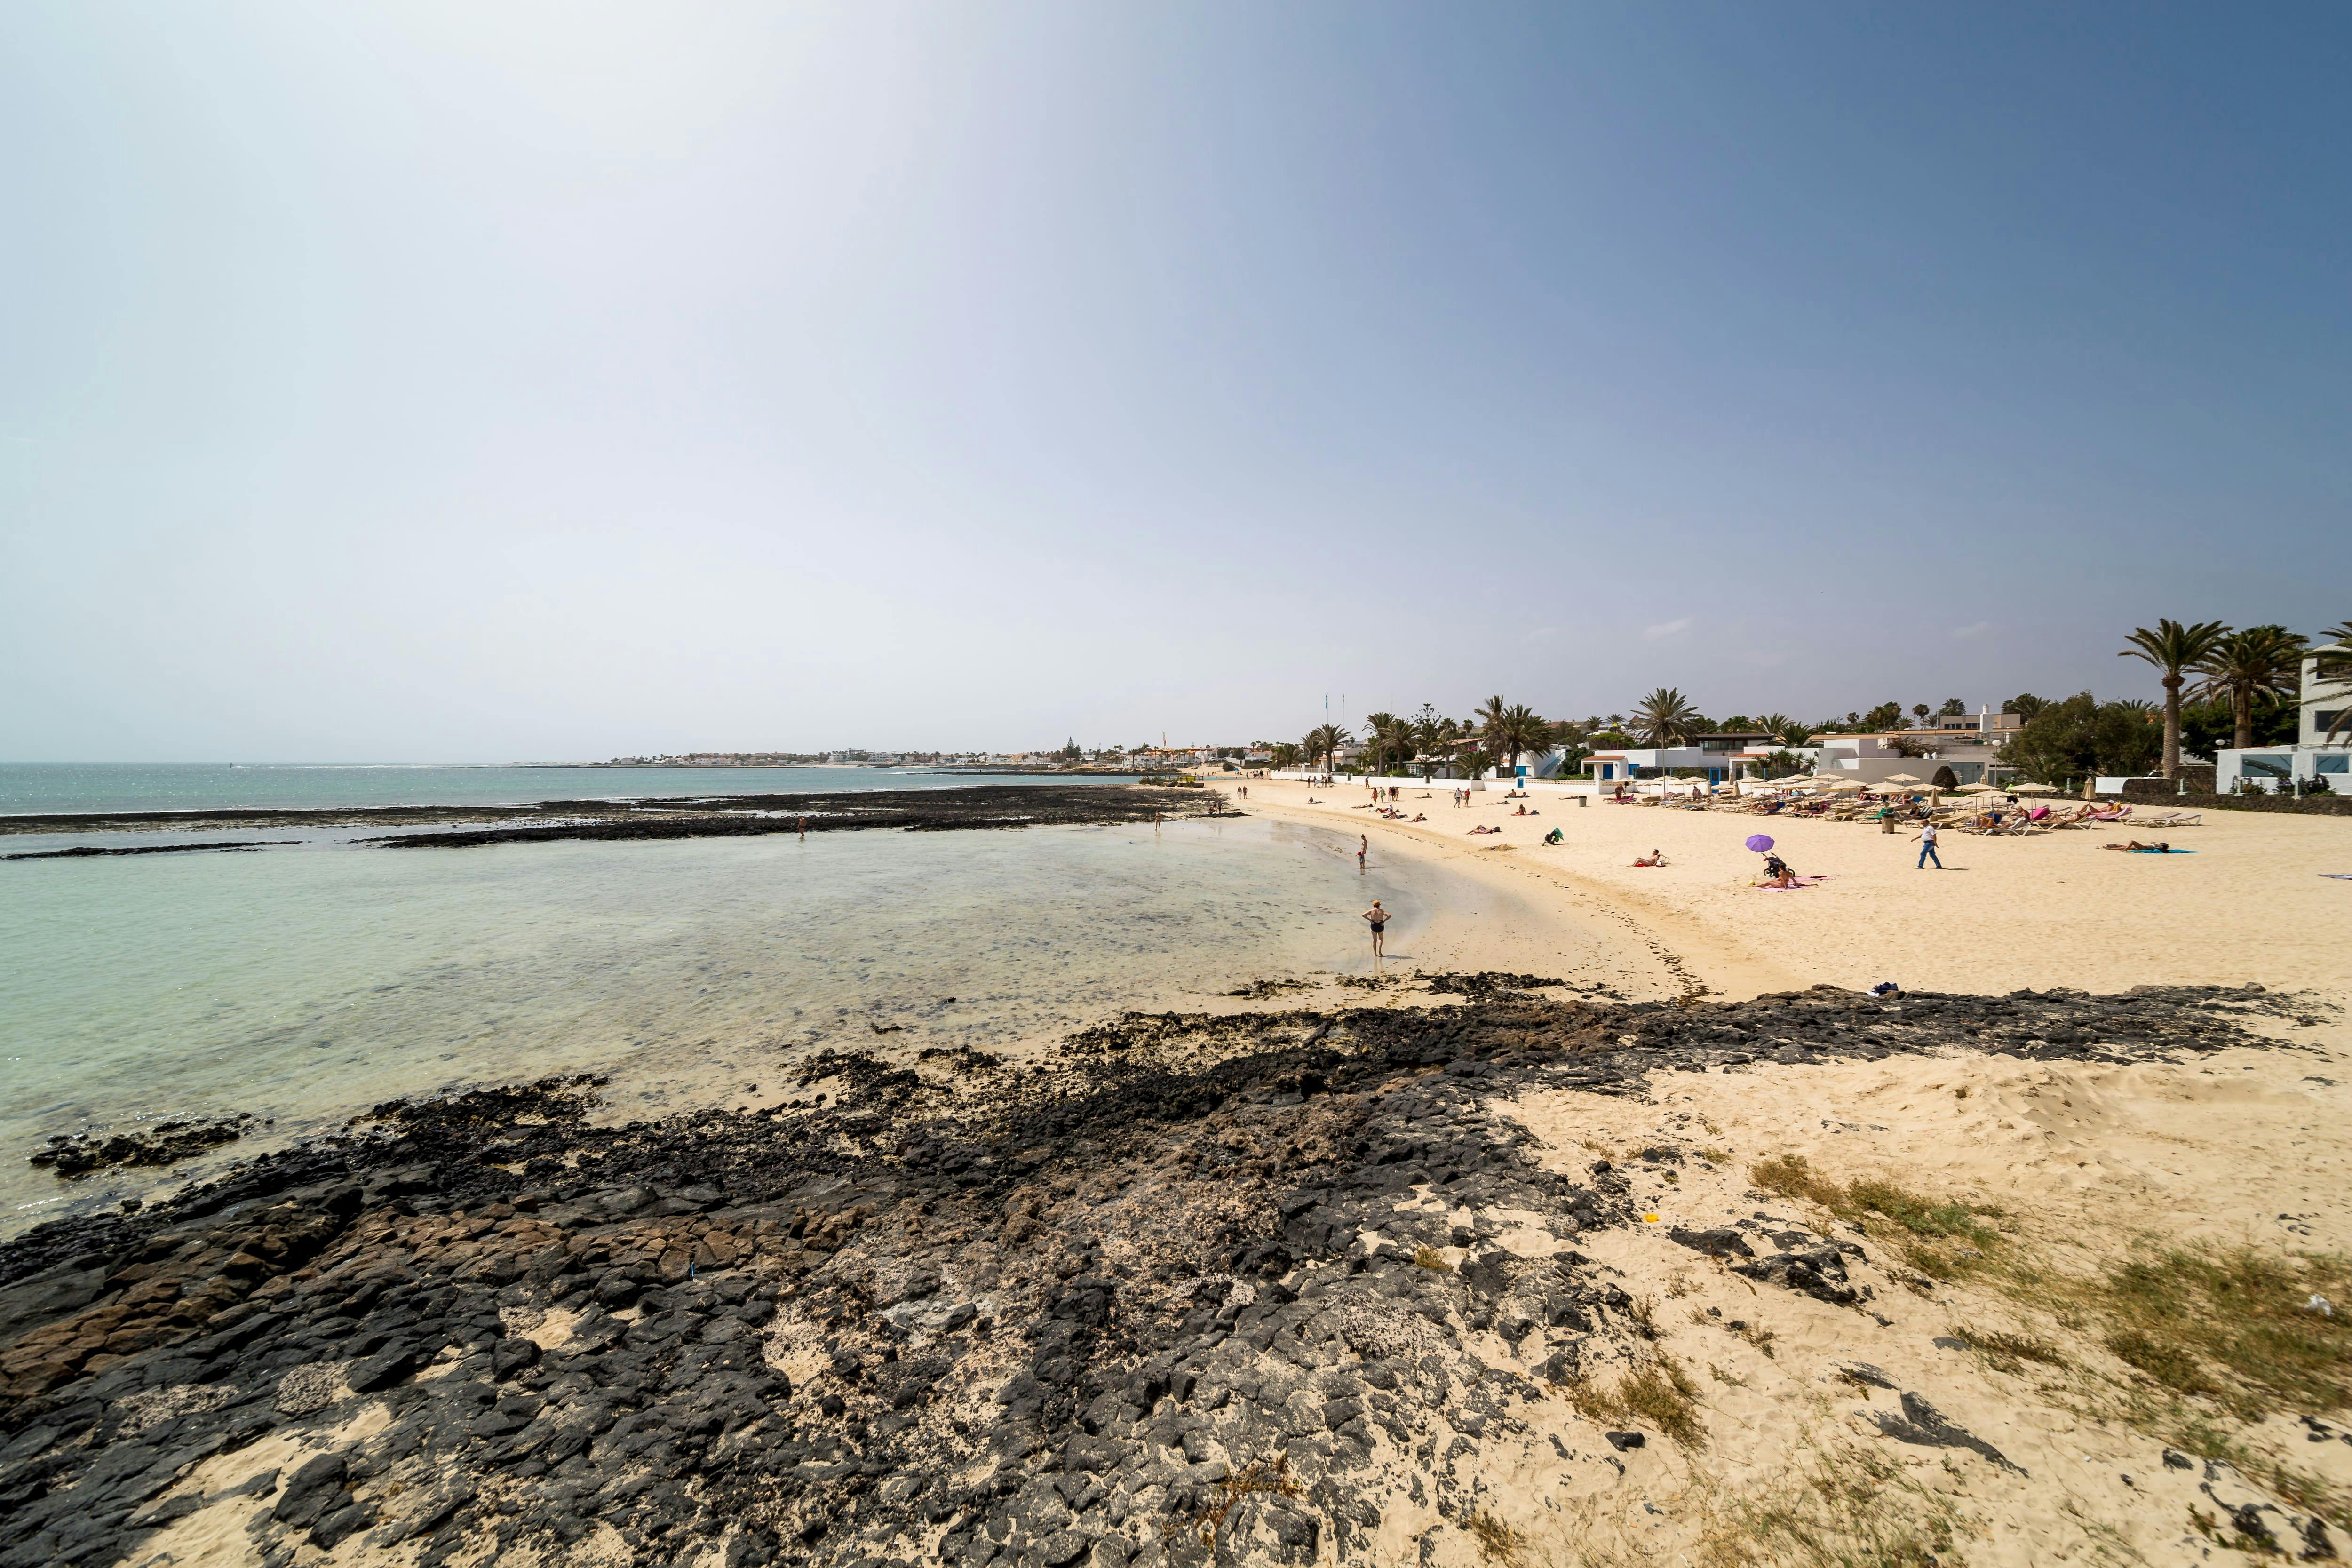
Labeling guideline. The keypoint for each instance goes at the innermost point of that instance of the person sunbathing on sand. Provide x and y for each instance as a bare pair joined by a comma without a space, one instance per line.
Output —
1555,836
2160,847
1420,816
1787,878
1656,857
1484,827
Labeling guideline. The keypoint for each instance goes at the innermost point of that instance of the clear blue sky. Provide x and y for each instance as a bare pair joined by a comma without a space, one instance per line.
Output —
466,382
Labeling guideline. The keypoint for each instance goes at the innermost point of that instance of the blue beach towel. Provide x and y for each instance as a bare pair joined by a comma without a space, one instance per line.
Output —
2160,851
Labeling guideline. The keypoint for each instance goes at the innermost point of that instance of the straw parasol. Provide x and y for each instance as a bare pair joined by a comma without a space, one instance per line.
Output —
1980,789
2032,789
1843,784
1901,779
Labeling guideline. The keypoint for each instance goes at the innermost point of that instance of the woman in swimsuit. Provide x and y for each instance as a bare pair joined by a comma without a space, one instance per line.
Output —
1378,919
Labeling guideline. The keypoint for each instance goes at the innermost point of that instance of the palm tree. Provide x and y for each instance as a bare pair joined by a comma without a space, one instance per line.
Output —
1519,728
1488,717
2334,667
2240,665
2173,647
1285,756
1664,718
1486,723
1432,732
1392,737
1324,741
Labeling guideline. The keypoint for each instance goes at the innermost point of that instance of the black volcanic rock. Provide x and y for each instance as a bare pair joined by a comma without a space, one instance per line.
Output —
1143,1301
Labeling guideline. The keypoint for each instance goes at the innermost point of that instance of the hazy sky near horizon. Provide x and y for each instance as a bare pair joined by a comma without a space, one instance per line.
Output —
463,382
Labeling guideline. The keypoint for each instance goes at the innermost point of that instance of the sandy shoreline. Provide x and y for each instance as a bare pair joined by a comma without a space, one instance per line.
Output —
2005,913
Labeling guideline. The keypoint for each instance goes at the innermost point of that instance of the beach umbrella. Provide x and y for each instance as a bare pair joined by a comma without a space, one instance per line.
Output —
1900,778
1849,784
2032,789
1759,842
1980,789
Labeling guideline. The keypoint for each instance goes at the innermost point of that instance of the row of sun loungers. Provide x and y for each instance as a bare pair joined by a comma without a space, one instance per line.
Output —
1965,815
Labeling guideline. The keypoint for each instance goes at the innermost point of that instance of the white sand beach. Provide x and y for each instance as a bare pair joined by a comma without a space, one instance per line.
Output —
2249,906
2070,1172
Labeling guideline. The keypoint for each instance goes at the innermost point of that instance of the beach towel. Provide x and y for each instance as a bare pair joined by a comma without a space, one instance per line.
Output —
2160,851
1801,882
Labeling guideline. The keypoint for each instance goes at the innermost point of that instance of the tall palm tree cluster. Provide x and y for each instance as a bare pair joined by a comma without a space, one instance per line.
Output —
1500,731
2204,660
2210,659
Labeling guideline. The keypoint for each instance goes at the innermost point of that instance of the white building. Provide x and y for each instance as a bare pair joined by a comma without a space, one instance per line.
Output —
2280,769
1716,757
1968,744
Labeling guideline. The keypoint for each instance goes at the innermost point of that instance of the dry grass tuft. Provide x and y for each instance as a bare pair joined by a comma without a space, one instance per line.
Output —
2006,1350
1658,1391
1261,1476
1939,1237
1431,1258
2230,1324
1497,1542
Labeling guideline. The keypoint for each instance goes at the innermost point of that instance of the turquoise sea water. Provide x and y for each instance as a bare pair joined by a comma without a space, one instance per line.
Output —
306,983
42,788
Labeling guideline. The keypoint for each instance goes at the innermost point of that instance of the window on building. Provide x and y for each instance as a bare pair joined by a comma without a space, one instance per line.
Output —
2327,719
2335,762
2270,766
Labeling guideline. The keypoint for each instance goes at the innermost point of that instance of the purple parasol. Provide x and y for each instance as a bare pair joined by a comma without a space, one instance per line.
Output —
1759,842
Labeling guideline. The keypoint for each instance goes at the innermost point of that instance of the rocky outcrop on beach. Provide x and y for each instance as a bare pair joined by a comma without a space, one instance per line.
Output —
659,817
1278,1286
911,811
165,1143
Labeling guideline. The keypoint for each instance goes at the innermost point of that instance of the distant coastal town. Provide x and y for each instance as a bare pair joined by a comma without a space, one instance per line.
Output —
1068,758
2257,711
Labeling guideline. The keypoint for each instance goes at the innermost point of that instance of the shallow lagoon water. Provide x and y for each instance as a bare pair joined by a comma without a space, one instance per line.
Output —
41,788
308,984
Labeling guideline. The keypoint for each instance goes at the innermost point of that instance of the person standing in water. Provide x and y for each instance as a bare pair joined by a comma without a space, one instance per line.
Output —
1378,919
1362,845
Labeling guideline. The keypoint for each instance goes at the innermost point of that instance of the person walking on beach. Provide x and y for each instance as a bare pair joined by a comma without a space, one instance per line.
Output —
804,829
1378,919
1363,844
1928,847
